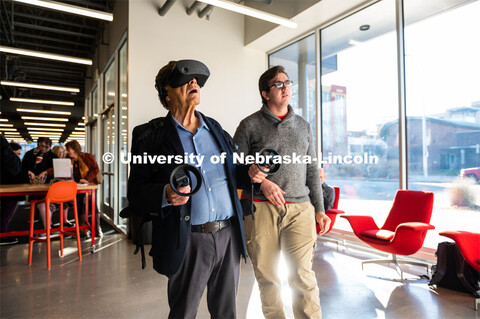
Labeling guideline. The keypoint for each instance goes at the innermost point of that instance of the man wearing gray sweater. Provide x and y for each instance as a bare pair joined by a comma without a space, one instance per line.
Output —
288,203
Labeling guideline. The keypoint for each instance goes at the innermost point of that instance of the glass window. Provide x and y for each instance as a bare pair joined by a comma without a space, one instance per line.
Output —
95,102
298,59
108,131
359,102
122,124
109,85
442,68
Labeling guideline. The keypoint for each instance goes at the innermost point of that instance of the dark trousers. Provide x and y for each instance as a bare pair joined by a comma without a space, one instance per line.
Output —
8,205
81,211
212,260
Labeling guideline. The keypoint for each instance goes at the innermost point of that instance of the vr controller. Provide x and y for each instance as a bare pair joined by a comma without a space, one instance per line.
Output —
247,205
268,154
179,177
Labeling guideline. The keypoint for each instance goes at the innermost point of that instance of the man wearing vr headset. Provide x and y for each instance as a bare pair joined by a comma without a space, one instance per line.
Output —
288,203
197,240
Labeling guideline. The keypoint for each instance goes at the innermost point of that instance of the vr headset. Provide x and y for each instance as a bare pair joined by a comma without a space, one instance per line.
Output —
183,72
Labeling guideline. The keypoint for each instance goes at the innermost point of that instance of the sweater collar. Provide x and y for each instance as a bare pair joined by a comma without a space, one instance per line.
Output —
266,111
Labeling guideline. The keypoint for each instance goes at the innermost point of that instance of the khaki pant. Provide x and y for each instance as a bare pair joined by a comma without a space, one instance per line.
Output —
291,229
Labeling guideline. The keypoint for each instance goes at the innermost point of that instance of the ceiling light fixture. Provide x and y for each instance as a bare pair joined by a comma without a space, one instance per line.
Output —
364,27
45,133
45,129
45,55
40,86
251,12
6,125
17,99
59,119
44,124
44,111
8,129
70,9
3,120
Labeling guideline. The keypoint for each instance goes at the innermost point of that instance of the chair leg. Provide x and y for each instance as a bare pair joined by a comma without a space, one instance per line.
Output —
393,260
477,303
61,229
77,229
47,214
30,235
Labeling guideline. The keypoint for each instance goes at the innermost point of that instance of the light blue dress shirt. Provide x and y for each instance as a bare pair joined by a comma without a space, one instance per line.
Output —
213,201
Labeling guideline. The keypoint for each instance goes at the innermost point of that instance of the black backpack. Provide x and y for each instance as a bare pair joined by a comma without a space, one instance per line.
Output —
138,219
453,272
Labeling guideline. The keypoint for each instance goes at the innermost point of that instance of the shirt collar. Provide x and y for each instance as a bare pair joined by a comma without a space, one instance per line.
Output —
269,113
177,124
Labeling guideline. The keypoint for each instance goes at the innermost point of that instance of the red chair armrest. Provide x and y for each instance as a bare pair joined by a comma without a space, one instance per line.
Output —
360,223
334,211
414,226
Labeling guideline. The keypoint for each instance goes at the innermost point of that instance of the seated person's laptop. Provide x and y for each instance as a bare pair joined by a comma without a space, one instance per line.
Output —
62,169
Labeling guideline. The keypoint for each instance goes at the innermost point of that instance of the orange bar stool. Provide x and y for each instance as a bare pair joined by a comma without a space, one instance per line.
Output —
58,193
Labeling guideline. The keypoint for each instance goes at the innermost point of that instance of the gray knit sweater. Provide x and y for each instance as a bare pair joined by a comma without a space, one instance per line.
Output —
263,129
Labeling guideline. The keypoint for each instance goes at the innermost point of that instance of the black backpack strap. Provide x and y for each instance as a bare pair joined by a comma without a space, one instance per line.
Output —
157,134
139,244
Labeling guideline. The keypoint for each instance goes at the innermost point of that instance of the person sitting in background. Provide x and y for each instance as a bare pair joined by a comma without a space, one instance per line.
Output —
85,170
10,174
38,164
328,191
59,150
17,149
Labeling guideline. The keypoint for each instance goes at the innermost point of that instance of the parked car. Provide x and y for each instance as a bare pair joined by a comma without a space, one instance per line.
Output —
473,173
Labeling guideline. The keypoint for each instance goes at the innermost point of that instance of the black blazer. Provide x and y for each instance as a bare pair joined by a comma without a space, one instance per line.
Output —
171,229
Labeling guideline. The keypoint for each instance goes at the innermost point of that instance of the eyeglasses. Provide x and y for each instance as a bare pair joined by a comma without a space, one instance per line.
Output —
281,84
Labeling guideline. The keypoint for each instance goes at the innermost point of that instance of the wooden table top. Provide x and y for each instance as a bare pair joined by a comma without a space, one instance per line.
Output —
18,188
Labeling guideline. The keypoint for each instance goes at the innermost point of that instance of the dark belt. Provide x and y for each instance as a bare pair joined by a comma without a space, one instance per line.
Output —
211,227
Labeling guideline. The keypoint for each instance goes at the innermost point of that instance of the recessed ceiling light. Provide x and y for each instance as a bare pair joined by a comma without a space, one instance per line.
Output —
70,9
45,129
44,111
40,86
59,119
251,12
44,124
364,27
17,99
46,55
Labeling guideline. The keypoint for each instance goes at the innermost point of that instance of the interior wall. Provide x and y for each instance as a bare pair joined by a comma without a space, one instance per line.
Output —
230,93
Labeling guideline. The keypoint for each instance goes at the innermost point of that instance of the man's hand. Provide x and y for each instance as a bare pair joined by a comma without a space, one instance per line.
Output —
31,175
255,174
42,177
273,192
176,199
83,181
324,221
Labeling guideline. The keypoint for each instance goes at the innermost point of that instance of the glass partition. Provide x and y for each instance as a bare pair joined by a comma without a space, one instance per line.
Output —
298,59
108,133
122,130
359,100
442,68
